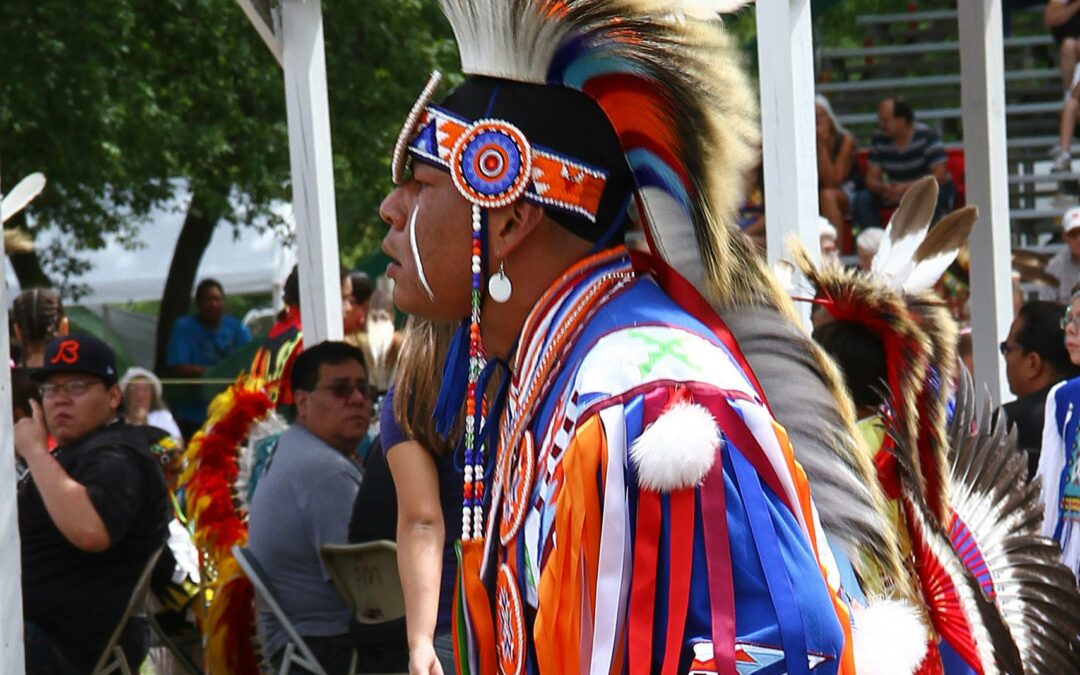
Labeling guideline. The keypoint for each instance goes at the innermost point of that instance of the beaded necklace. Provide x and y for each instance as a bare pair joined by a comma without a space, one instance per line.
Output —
548,334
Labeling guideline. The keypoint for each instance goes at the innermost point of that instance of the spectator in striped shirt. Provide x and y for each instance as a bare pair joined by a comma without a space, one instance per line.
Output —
901,153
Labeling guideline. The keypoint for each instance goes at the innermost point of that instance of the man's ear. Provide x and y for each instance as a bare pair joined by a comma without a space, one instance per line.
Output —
62,331
300,399
1034,363
517,222
116,396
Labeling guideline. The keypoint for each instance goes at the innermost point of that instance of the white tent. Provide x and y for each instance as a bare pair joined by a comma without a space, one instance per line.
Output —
244,260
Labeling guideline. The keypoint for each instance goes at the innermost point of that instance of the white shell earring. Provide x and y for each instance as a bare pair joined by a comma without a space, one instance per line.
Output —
499,287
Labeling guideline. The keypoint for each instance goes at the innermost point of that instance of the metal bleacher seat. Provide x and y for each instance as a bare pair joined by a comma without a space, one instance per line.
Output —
112,658
915,53
297,651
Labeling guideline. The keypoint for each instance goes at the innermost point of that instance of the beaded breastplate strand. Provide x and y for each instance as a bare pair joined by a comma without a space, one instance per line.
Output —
546,338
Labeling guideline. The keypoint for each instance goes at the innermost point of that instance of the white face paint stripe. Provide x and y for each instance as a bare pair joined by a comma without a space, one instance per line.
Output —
416,252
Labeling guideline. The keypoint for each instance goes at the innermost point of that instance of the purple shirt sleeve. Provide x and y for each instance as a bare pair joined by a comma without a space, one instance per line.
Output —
389,430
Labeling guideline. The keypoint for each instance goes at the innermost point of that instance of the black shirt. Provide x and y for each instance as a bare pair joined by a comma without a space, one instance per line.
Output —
77,597
1027,414
374,515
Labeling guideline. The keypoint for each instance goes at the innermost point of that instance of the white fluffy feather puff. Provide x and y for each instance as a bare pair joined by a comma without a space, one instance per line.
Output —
677,450
889,638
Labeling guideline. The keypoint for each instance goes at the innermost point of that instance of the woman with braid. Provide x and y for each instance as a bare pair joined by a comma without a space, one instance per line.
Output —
39,317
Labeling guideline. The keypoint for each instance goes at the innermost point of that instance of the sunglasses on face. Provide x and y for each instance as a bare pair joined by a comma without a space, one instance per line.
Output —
1005,347
344,390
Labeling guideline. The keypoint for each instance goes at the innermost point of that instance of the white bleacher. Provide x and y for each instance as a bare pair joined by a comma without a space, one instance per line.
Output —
915,54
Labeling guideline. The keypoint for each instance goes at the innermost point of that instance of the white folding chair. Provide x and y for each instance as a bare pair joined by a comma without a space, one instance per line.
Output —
367,576
112,659
296,650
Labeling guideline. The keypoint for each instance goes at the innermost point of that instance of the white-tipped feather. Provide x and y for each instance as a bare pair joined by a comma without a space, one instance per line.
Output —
889,638
923,276
939,249
22,194
907,229
488,45
663,466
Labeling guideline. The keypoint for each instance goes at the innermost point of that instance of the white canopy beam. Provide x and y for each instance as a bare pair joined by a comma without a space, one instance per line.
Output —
789,148
11,624
267,24
294,34
982,65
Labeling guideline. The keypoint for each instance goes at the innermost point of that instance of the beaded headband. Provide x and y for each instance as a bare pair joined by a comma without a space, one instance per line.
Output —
492,162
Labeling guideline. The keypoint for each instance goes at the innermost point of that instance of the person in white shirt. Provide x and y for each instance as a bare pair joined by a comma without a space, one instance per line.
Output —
143,403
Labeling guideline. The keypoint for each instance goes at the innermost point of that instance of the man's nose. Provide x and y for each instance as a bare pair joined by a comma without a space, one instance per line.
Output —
392,209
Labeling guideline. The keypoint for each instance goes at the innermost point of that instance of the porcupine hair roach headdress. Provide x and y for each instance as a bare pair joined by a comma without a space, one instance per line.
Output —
608,111
985,573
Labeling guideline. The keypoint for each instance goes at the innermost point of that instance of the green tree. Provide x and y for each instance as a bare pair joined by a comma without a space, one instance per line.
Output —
114,100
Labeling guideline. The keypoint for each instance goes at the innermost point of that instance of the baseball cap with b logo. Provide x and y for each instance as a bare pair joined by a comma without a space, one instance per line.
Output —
78,354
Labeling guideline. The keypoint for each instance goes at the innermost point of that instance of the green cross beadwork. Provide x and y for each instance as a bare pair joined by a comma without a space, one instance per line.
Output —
659,348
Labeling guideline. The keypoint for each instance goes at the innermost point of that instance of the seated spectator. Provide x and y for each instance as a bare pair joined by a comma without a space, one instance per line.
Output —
867,244
827,238
836,164
355,315
143,405
751,216
1065,265
304,501
39,317
91,514
1035,360
900,154
1062,154
1062,17
199,341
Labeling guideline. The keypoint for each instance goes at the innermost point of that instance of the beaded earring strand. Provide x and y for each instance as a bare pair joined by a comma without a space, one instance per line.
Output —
472,511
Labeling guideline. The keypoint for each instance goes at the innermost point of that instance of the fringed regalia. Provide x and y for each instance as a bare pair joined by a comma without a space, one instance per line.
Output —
632,500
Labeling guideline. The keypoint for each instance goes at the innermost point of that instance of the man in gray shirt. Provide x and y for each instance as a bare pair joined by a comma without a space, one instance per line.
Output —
1065,265
305,500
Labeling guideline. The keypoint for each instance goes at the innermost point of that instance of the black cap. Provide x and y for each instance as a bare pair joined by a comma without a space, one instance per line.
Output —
78,354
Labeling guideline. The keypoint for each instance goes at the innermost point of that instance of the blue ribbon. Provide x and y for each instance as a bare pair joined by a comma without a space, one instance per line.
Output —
786,607
455,381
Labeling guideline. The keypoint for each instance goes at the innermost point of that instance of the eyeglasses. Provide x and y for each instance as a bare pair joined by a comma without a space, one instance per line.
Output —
73,388
345,390
1004,347
1070,320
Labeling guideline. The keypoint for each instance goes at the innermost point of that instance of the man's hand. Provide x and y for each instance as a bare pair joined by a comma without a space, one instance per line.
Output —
31,436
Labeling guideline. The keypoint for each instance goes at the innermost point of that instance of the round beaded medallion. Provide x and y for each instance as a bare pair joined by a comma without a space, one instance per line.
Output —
491,163
511,627
517,476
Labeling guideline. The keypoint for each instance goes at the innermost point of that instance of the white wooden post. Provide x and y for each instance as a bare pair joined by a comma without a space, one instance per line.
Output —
789,147
982,65
11,624
312,169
